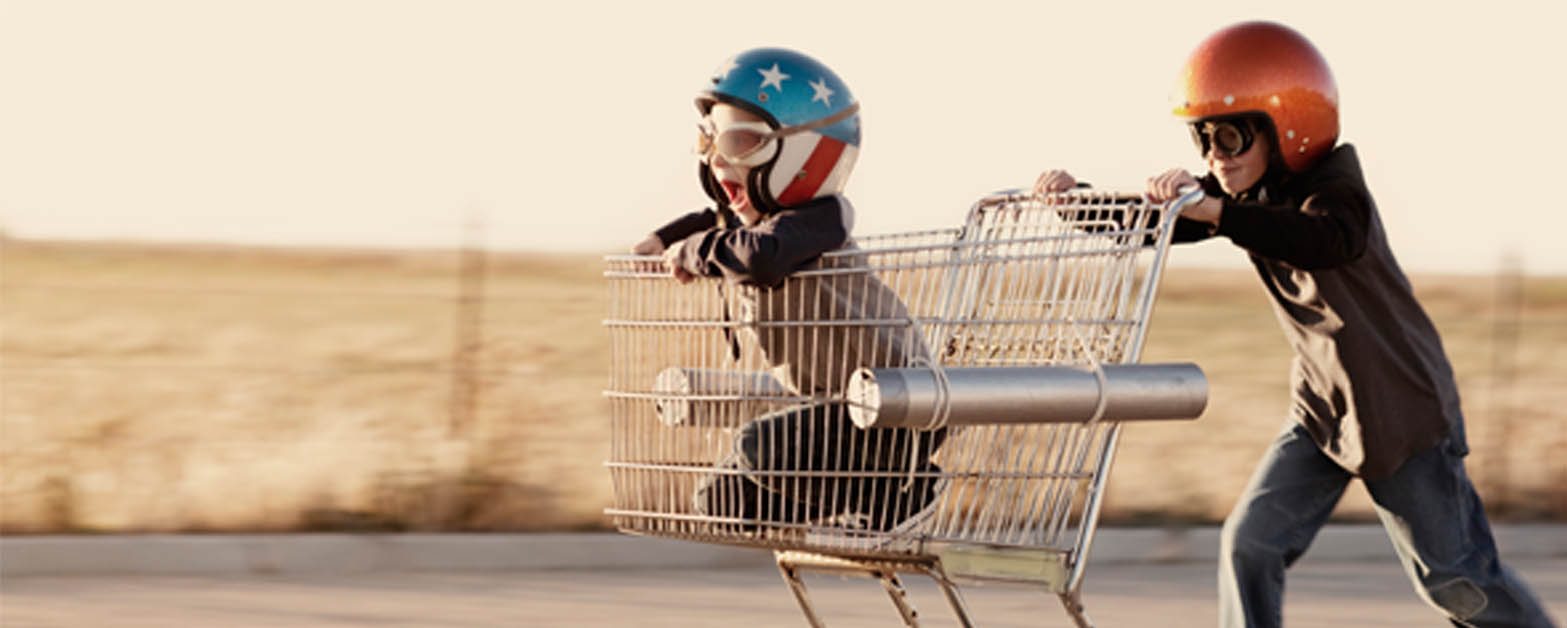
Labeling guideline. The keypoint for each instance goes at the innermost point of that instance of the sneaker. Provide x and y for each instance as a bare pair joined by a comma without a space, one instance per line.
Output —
855,531
906,535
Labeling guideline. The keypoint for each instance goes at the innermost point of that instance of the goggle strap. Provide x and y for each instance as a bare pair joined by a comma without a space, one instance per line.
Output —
819,122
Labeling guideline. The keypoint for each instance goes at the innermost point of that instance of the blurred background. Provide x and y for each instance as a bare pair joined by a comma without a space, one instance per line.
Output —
334,265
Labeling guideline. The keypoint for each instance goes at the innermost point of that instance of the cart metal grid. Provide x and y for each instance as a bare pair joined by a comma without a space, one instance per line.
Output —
731,405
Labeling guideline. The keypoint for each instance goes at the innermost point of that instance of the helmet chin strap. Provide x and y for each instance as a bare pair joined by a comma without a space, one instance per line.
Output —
756,188
710,185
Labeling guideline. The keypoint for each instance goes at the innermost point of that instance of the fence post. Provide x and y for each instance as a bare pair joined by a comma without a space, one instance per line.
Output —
469,332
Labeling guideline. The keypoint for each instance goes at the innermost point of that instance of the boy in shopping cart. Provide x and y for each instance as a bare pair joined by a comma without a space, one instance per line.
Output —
1374,395
779,134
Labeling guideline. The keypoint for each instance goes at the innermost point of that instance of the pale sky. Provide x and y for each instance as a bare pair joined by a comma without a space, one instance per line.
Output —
566,126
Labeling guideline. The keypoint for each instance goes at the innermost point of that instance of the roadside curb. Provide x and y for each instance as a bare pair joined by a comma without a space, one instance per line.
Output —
59,555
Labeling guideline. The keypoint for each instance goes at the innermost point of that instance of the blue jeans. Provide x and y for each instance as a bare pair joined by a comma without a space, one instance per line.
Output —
1431,512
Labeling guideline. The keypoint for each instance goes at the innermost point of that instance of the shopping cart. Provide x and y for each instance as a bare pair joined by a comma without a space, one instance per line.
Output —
941,402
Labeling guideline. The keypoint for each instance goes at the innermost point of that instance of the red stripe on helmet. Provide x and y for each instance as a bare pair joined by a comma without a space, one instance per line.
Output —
816,169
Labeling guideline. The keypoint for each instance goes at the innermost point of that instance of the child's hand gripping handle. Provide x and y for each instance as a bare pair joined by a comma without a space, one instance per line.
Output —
1193,203
1187,195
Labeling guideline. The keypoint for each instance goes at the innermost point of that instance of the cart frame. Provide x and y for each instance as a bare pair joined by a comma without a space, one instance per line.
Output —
1065,280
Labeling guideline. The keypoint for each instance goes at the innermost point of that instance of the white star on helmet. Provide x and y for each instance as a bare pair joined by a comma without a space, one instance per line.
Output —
823,93
773,77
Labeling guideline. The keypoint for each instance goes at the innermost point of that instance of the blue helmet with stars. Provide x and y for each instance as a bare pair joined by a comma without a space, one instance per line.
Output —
811,108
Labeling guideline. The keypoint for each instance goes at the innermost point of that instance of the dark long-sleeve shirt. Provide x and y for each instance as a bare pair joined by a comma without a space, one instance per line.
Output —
762,254
1371,381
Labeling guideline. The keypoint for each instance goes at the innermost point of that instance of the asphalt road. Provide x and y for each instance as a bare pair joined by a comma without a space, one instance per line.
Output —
1320,594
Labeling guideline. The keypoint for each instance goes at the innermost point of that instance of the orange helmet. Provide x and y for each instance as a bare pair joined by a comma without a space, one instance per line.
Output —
1270,70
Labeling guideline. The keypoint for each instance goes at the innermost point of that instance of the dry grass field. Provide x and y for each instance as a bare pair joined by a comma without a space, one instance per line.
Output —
160,388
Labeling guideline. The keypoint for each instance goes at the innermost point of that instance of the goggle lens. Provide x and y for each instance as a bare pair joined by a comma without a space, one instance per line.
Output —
736,143
1224,138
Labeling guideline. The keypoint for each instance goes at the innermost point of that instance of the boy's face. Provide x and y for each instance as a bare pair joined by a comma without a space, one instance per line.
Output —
1237,173
732,176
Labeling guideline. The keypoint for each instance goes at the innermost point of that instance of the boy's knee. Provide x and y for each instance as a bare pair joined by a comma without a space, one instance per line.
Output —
1243,543
1459,598
1231,533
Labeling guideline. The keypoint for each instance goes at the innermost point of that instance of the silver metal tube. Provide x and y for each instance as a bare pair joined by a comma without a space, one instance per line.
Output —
702,397
911,397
